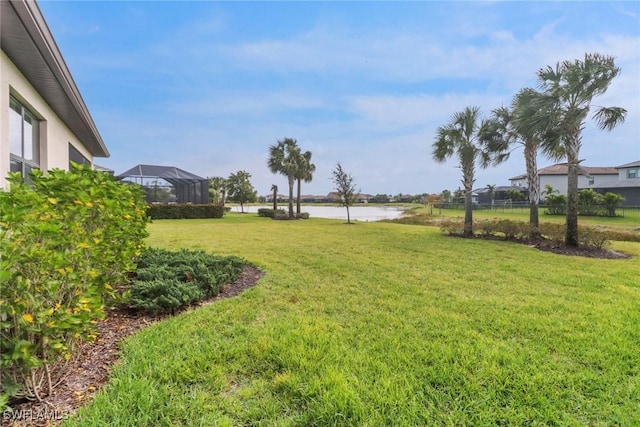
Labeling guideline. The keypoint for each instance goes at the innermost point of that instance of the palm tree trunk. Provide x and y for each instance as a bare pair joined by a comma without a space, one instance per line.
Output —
573,147
291,183
468,180
534,187
298,199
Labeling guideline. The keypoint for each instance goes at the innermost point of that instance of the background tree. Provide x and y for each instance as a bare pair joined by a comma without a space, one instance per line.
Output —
612,201
510,126
283,159
549,191
491,190
346,187
514,194
380,198
445,196
274,188
304,173
240,188
461,137
217,190
568,90
589,202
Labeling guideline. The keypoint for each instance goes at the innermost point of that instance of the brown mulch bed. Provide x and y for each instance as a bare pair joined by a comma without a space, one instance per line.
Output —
88,371
585,251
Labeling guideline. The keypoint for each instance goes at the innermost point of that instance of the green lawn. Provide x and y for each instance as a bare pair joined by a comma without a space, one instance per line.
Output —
629,222
385,324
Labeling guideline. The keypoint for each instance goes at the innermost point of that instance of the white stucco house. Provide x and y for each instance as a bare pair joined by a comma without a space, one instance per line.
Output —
44,122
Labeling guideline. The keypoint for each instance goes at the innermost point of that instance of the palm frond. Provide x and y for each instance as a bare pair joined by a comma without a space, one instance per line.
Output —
609,117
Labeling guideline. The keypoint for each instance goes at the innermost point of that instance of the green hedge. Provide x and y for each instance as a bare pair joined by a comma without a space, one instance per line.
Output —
269,213
519,230
65,242
167,281
185,211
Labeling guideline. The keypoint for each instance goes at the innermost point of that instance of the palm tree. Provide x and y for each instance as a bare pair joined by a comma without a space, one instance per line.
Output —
510,127
568,90
218,190
304,173
274,188
491,189
549,190
283,159
461,137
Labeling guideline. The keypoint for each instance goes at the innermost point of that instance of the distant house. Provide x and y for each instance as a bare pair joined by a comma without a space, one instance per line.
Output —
44,122
626,184
556,176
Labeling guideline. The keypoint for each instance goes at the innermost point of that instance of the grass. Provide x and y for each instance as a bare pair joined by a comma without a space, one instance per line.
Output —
627,223
385,324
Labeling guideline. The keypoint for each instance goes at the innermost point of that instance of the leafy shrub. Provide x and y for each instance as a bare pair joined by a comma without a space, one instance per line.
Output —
556,204
303,215
513,230
269,213
164,295
452,227
65,241
207,272
591,237
553,231
611,202
487,228
623,236
185,211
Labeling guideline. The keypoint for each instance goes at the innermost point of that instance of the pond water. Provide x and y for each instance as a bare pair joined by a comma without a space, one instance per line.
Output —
357,213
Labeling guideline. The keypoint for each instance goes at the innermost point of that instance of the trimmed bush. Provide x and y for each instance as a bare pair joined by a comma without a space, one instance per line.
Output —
452,227
164,295
269,213
207,272
185,211
66,241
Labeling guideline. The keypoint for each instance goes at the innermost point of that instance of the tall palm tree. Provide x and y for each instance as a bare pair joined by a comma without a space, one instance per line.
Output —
509,126
461,138
274,188
304,173
568,90
283,159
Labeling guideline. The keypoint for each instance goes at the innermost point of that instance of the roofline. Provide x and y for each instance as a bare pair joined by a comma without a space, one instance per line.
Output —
34,23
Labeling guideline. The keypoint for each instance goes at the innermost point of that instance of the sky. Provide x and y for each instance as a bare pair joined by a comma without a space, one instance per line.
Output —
208,86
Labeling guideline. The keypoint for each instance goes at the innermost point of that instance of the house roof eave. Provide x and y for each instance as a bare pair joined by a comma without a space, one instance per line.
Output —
27,41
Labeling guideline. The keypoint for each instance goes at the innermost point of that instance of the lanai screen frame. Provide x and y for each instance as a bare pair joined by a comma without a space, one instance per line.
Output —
189,188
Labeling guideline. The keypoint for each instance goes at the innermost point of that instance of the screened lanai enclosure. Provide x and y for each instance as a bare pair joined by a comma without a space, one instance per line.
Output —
168,184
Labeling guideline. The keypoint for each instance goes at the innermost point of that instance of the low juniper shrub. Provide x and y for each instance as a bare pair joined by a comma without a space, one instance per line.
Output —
164,295
206,272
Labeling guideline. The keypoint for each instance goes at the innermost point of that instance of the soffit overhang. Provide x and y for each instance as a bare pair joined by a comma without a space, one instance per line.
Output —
26,39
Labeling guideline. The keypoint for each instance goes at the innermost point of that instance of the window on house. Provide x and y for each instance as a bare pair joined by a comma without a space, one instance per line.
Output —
633,173
76,156
591,180
23,139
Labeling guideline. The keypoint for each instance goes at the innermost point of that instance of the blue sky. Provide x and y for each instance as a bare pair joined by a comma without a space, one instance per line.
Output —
208,86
